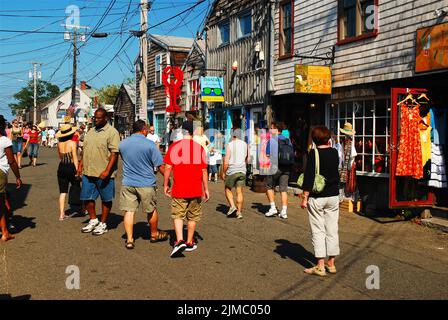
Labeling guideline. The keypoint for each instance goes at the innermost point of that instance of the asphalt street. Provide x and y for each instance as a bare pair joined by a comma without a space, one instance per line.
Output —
253,258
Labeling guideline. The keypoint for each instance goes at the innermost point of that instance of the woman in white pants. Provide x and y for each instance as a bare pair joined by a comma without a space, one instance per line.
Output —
323,207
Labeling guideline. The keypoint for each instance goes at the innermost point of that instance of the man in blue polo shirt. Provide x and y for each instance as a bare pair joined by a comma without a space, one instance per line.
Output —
141,158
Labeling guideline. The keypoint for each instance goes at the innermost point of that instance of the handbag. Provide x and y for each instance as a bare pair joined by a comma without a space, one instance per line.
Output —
319,180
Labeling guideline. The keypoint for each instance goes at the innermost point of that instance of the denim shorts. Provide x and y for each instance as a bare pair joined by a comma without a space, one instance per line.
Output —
92,187
212,168
17,146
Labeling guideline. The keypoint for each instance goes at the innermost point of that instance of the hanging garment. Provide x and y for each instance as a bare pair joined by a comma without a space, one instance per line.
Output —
438,169
345,166
409,162
425,138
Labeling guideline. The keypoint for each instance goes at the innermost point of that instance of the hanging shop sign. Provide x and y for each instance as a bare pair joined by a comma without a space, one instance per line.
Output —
432,48
151,105
212,89
312,79
172,78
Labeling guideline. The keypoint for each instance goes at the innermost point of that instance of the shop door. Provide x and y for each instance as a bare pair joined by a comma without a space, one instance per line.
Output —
404,191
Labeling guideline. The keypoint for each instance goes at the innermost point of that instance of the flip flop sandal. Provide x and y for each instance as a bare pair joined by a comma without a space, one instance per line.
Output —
161,236
329,269
316,271
130,245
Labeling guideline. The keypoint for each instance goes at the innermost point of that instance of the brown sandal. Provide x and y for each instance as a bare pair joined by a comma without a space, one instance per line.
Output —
161,236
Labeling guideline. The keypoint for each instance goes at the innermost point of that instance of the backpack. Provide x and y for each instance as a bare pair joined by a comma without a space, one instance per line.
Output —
285,152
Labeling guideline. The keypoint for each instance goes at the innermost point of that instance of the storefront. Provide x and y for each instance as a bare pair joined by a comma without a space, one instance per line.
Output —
381,115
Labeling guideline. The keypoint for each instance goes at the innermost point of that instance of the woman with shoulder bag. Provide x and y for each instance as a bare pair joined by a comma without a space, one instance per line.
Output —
323,206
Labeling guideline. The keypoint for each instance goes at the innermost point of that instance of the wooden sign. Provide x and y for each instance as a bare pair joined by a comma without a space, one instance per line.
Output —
432,48
312,79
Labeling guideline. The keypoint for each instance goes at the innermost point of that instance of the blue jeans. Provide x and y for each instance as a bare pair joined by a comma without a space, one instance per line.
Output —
33,150
92,187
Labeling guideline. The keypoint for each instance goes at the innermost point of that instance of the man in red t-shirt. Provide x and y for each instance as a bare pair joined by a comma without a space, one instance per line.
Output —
187,160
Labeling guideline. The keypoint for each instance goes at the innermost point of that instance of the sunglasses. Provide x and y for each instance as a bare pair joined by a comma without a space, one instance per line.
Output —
216,91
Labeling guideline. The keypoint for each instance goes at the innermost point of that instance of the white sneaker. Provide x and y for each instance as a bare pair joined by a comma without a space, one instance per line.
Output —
272,212
283,215
100,229
90,226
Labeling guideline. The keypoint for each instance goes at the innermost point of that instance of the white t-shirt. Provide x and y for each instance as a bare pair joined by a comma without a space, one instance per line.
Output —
215,158
153,137
4,143
238,155
51,133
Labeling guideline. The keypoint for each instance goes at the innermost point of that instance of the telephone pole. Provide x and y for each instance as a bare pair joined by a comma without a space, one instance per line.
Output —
144,54
67,36
35,76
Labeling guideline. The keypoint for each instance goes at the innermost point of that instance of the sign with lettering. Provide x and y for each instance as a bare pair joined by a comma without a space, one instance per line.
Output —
212,89
432,48
312,79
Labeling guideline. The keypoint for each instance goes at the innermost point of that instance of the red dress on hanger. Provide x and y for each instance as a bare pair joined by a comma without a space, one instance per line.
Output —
409,162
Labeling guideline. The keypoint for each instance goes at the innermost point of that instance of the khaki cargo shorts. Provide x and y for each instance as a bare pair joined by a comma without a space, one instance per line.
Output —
3,181
186,209
132,197
235,180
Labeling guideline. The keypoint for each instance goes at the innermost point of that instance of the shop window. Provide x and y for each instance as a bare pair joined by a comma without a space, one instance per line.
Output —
286,40
193,95
244,24
158,70
224,33
358,19
371,121
160,125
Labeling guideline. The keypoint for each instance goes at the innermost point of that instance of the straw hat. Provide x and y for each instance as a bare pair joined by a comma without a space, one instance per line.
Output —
348,129
66,130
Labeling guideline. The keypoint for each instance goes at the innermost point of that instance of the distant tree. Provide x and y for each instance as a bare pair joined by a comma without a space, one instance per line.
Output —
108,94
25,97
130,81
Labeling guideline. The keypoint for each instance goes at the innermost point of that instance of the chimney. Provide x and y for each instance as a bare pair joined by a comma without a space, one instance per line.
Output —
83,85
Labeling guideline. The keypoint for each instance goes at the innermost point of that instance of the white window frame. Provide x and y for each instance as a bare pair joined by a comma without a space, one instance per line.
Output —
158,82
244,14
352,117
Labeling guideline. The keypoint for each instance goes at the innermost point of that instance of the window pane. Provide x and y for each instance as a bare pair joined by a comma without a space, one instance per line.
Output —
367,16
368,163
369,110
358,109
342,111
381,108
245,25
224,30
380,127
359,145
368,148
349,18
287,28
359,126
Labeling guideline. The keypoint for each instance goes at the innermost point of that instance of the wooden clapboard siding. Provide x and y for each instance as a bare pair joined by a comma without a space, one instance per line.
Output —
192,69
156,92
390,55
124,111
247,85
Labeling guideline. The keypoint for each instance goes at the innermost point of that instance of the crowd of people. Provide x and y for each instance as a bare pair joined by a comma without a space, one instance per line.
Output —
89,164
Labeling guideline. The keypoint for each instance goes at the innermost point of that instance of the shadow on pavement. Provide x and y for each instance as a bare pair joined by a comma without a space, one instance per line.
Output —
262,208
9,297
222,208
21,223
295,252
18,196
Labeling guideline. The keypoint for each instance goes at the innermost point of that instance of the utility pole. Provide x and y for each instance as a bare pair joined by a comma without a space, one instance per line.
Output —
144,54
75,56
35,90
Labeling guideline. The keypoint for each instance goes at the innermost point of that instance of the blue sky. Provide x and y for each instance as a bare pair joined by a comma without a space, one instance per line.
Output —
17,50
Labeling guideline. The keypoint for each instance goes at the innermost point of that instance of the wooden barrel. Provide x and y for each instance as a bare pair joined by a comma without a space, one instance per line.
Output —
259,184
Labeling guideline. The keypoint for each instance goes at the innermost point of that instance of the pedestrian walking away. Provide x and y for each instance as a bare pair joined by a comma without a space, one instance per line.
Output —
186,160
214,158
323,207
33,143
17,142
44,135
7,161
141,157
98,167
51,137
234,172
281,154
68,166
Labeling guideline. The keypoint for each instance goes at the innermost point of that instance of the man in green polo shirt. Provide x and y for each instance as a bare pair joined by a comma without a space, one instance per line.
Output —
98,166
